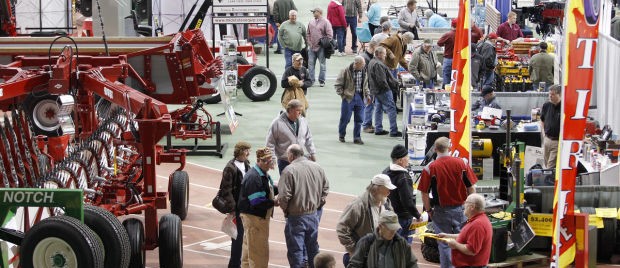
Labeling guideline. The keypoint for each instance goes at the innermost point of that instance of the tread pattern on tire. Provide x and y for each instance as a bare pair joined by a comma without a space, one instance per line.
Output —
112,233
170,241
65,228
179,194
135,232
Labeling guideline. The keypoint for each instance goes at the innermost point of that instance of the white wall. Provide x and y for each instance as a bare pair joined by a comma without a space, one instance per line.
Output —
54,14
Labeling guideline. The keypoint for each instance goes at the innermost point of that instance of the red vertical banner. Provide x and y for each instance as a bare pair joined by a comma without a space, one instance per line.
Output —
460,104
579,51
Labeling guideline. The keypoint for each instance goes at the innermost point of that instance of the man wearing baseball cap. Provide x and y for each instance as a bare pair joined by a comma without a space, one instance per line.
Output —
361,216
383,248
256,202
487,99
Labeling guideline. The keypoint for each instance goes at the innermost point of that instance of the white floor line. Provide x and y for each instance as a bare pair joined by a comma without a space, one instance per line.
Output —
200,242
226,257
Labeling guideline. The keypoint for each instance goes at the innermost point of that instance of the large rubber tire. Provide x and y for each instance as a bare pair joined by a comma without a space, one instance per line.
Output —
135,231
259,83
213,99
42,112
170,242
429,248
112,233
179,194
59,241
605,249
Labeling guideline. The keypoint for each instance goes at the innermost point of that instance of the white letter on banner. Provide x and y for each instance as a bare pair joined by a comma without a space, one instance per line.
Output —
568,158
581,104
587,56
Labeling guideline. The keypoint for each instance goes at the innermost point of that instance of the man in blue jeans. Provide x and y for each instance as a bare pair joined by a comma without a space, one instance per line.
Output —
353,15
380,82
447,41
318,28
302,190
450,181
352,86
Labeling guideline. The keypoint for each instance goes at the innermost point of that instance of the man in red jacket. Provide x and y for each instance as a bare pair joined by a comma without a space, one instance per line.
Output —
447,42
335,15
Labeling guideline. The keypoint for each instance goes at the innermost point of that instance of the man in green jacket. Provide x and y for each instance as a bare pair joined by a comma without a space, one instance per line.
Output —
292,36
383,248
280,11
541,67
423,65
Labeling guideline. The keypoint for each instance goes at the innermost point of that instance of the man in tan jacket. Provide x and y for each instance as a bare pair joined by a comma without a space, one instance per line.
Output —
396,46
352,86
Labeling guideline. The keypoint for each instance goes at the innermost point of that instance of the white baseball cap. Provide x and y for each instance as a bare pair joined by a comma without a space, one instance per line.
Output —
384,180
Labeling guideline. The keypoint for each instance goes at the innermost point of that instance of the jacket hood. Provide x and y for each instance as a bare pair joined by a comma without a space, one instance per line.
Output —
338,3
395,167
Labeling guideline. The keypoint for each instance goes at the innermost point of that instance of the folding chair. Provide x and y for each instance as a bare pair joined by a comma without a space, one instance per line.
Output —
363,36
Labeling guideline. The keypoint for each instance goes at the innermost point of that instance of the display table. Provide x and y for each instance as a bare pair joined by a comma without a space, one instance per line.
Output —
498,137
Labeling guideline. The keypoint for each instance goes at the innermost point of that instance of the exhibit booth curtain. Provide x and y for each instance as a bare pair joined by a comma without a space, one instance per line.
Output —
606,81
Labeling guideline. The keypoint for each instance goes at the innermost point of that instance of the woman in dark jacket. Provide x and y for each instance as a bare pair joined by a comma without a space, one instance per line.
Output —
230,186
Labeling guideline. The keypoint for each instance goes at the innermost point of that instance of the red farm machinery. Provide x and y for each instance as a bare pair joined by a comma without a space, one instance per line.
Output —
76,118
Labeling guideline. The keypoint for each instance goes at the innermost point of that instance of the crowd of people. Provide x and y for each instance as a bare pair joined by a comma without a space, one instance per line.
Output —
374,228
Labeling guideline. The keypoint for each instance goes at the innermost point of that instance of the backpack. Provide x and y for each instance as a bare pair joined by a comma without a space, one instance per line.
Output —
486,53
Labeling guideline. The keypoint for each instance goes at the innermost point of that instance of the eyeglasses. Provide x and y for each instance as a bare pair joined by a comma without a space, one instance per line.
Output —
299,60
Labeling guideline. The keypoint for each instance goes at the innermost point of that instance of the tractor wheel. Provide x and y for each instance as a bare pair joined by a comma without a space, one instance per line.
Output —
259,83
61,241
112,233
43,114
135,230
241,60
179,194
170,242
213,99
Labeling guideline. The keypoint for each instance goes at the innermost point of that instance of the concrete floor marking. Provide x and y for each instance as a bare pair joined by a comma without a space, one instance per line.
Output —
226,257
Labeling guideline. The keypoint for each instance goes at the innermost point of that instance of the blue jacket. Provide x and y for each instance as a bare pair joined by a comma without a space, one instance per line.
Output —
437,21
255,197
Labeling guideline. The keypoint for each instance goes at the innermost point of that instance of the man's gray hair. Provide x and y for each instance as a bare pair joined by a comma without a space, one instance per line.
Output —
428,13
407,37
293,104
292,12
359,59
386,26
557,89
379,50
373,43
478,201
295,150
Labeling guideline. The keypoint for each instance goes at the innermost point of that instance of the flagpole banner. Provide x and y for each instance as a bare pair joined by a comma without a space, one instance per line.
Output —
460,104
581,36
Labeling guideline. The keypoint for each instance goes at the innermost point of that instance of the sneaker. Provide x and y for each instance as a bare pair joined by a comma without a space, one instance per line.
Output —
397,134
358,141
340,54
382,132
278,52
369,129
321,84
341,139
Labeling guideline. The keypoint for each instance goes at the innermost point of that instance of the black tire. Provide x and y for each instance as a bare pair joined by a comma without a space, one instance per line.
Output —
179,194
605,250
259,83
135,231
241,60
59,239
37,109
213,99
112,233
170,242
429,248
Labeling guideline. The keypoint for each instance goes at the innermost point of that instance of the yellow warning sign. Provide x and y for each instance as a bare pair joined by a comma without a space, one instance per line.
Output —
541,223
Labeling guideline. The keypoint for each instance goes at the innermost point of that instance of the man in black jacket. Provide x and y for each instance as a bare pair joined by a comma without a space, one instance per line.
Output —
298,70
256,202
402,198
380,83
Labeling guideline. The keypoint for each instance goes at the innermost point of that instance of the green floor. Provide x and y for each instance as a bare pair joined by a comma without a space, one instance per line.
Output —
349,167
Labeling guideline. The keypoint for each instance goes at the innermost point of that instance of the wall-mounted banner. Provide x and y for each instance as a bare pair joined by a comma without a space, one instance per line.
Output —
460,104
236,20
239,3
579,51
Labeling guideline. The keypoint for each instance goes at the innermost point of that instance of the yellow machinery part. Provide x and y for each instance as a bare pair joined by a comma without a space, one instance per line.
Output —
481,147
